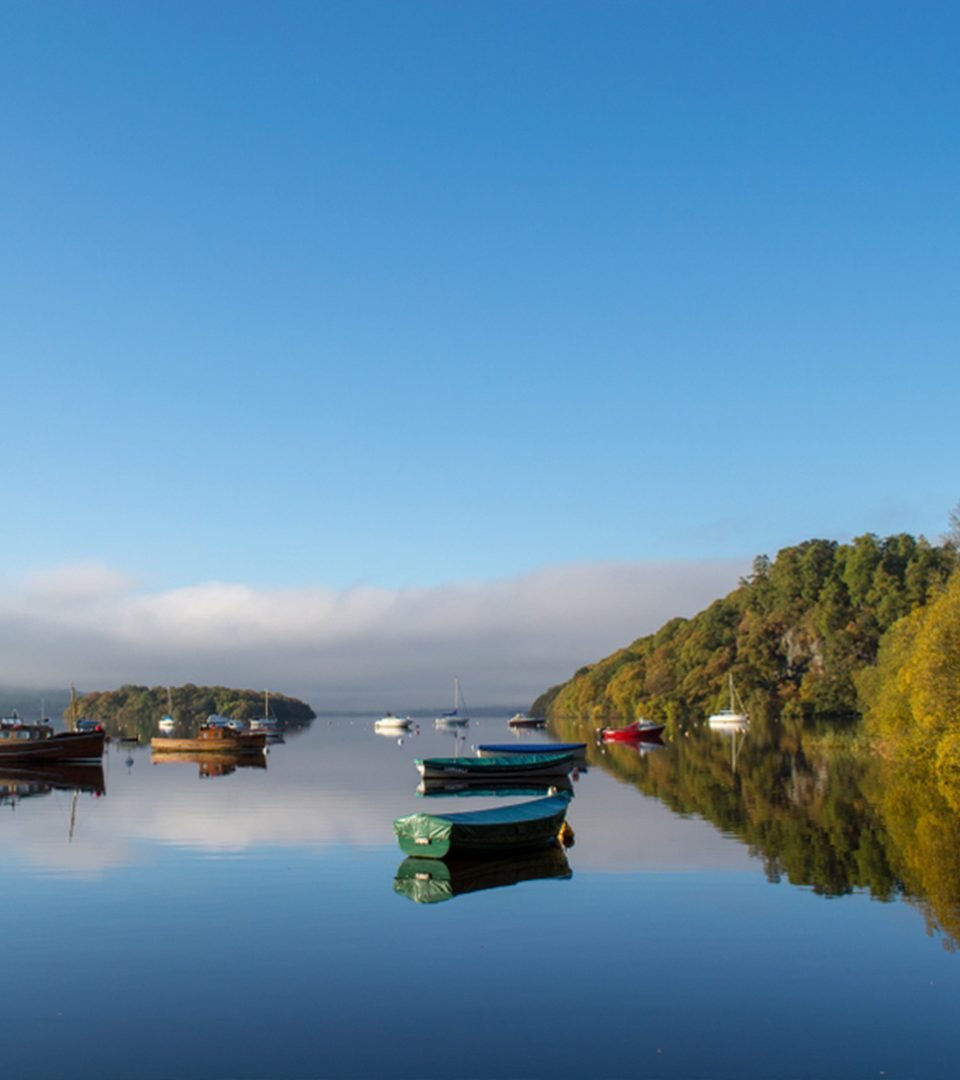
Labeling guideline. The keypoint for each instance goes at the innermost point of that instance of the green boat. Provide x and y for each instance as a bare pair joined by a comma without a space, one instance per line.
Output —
505,767
430,881
483,832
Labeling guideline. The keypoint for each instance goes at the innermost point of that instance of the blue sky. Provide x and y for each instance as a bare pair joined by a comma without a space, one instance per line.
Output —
412,295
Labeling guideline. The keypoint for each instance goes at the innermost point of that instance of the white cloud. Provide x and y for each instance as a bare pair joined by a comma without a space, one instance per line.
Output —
365,647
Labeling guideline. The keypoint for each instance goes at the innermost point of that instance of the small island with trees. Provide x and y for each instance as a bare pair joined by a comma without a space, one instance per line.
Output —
135,711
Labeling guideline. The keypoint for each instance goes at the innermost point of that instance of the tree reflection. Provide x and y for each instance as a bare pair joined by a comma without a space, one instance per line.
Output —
819,812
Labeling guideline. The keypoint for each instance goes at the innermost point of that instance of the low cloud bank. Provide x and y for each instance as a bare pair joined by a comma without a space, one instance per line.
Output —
358,648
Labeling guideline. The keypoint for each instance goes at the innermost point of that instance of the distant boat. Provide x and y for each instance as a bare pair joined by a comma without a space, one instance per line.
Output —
734,716
167,722
389,722
505,767
483,832
457,717
268,723
521,719
639,731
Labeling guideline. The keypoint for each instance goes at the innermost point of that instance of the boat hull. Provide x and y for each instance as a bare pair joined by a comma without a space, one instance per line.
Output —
64,746
483,832
633,733
504,767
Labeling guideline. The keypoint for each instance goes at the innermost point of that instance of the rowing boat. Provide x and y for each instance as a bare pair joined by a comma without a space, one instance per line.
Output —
483,832
504,767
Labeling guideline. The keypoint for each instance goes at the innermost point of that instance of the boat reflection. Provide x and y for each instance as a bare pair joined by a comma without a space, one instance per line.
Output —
431,881
212,764
511,788
29,781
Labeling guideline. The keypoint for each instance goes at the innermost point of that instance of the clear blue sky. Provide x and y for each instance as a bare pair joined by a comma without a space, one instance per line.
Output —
420,292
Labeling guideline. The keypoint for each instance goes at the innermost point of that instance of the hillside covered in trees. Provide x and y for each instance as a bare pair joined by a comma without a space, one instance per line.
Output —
798,635
136,710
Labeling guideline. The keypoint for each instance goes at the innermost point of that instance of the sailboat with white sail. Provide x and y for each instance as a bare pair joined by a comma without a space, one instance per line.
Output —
733,717
167,722
458,716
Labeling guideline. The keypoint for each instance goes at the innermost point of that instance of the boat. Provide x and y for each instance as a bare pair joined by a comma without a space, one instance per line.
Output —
457,717
389,722
639,731
578,749
504,767
268,723
483,832
22,741
214,738
167,722
734,716
521,720
430,881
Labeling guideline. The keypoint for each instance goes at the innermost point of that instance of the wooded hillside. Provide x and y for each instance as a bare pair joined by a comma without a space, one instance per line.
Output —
795,634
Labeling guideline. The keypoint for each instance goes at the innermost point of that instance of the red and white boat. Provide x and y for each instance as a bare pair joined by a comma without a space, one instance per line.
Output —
639,731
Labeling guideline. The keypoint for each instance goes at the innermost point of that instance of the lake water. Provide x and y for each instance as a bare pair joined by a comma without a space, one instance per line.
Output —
720,914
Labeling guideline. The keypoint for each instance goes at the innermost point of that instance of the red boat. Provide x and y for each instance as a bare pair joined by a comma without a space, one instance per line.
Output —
638,731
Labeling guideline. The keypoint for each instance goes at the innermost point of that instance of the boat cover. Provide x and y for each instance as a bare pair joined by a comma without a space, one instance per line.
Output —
509,762
532,748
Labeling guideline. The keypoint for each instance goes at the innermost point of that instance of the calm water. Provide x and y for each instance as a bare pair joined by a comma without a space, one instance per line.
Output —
247,925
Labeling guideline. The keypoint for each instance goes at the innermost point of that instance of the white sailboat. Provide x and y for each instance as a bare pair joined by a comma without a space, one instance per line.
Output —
270,724
457,717
167,722
733,717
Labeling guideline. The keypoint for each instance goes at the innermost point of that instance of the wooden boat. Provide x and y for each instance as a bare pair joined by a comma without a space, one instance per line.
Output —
578,749
21,741
638,731
483,832
521,720
430,881
503,767
214,739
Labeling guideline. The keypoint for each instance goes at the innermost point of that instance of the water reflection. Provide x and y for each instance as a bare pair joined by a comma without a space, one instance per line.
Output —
817,813
30,781
430,881
211,764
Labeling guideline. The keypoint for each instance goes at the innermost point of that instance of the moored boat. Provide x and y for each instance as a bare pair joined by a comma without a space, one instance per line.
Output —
504,767
389,722
638,731
521,720
215,739
22,741
733,717
458,716
483,832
